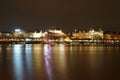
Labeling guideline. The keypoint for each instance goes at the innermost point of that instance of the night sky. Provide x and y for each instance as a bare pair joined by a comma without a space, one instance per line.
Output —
64,14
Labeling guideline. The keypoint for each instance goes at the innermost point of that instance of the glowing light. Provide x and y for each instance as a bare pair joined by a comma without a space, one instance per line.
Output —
18,62
37,35
56,31
48,61
17,30
28,39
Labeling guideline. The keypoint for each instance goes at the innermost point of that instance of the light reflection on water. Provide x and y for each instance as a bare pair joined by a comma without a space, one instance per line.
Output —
48,61
18,62
58,62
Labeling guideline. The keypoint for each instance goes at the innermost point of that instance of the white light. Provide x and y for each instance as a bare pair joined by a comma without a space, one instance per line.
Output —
17,30
37,35
28,39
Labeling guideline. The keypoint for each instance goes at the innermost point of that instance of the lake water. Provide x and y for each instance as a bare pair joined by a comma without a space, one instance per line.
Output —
59,62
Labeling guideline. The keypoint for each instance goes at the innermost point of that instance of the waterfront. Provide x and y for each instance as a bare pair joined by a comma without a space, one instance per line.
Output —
59,62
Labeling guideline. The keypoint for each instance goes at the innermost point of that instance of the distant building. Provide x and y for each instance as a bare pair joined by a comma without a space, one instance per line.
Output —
18,33
55,34
91,34
37,34
112,35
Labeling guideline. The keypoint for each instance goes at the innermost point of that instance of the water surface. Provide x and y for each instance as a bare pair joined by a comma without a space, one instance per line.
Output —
59,62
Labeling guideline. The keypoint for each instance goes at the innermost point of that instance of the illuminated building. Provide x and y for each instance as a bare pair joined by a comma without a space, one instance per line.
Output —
56,35
18,33
53,33
91,34
96,34
37,34
112,35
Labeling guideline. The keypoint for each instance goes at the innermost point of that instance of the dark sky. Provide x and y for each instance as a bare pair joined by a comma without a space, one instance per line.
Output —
65,14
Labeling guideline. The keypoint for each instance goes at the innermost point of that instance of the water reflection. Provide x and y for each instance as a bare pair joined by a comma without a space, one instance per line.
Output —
18,62
58,62
61,57
22,62
28,61
48,61
38,61
95,57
